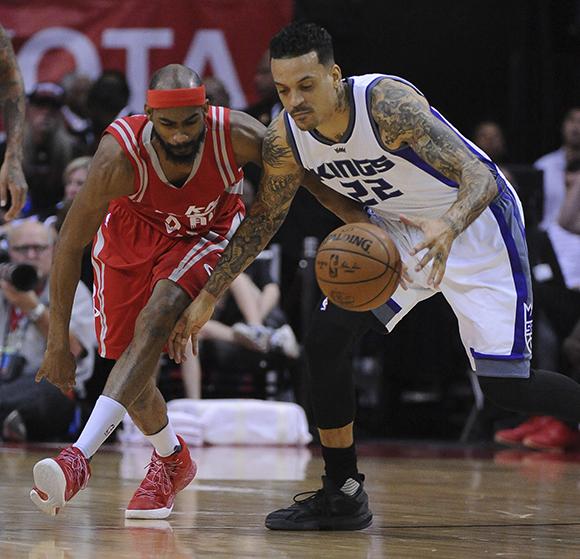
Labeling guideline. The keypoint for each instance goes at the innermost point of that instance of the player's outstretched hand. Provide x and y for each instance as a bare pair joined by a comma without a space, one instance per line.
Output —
438,238
12,179
189,324
58,367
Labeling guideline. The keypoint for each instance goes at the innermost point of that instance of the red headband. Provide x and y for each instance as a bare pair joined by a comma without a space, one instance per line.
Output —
169,98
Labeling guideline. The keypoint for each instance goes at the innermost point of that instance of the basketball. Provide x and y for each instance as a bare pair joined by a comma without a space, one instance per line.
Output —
358,266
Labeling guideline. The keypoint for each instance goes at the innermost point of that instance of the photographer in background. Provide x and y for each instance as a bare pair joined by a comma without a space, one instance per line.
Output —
30,410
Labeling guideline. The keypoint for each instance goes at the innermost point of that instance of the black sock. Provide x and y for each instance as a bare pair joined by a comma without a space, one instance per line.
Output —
340,464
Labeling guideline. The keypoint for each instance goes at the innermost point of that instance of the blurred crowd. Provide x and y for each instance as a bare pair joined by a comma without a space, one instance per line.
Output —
255,329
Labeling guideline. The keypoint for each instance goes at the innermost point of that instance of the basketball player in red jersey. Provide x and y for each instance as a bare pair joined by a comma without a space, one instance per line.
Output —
161,200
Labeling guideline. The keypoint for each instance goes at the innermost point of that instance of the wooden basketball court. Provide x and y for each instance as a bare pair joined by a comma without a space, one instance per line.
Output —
428,501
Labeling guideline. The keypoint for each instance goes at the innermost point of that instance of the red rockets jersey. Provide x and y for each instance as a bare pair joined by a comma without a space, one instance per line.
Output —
209,200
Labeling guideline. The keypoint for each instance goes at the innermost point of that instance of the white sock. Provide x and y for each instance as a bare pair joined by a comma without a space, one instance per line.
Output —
164,441
106,415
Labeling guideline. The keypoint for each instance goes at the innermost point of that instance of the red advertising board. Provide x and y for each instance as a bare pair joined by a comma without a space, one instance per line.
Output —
224,38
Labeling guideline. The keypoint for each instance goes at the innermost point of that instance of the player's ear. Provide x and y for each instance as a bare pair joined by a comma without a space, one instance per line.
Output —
149,112
336,74
206,107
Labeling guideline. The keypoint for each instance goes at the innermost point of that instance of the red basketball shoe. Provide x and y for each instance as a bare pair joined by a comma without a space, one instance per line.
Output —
58,480
555,436
165,477
516,435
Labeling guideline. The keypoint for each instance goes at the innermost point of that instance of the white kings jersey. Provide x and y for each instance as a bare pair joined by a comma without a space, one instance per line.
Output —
358,166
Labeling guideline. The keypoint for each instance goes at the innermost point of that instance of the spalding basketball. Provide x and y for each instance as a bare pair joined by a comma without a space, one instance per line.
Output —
358,266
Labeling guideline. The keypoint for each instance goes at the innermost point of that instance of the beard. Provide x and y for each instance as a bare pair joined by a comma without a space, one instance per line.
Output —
181,154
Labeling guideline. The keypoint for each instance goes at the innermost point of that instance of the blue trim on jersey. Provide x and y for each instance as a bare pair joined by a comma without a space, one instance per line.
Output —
351,120
408,154
393,305
518,273
509,195
511,357
292,140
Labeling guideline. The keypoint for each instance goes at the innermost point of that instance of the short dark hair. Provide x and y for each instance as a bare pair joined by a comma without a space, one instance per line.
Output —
174,76
109,92
300,38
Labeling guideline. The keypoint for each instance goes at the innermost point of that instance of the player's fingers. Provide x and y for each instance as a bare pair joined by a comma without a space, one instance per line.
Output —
413,222
425,260
426,243
17,197
438,269
174,340
433,272
194,344
176,349
170,346
439,275
40,375
182,345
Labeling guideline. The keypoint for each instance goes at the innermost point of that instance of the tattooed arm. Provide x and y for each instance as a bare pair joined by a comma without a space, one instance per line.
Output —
12,103
281,178
405,119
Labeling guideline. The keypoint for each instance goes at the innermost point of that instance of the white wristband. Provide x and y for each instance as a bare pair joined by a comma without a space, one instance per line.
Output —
36,312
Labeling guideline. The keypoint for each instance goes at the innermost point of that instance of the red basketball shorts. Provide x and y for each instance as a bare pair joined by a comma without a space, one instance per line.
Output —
129,257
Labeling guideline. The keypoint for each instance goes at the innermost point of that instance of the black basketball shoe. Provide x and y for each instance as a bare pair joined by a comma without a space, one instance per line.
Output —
326,509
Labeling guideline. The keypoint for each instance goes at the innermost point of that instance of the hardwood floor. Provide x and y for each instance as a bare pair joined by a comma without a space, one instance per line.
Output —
427,502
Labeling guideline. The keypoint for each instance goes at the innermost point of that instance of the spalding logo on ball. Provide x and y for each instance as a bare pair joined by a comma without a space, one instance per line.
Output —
358,266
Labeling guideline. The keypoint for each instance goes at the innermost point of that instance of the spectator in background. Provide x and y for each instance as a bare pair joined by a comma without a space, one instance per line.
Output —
268,104
12,178
75,176
30,410
216,92
554,167
570,220
557,291
107,101
75,110
48,147
489,136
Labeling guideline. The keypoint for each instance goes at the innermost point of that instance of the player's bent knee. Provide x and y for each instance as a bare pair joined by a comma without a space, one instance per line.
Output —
502,381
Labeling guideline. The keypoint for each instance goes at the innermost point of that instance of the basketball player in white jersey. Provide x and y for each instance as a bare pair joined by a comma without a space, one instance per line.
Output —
455,219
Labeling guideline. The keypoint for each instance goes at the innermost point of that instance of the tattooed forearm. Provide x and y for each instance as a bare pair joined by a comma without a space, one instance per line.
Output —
477,188
274,151
264,219
11,97
281,179
404,118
